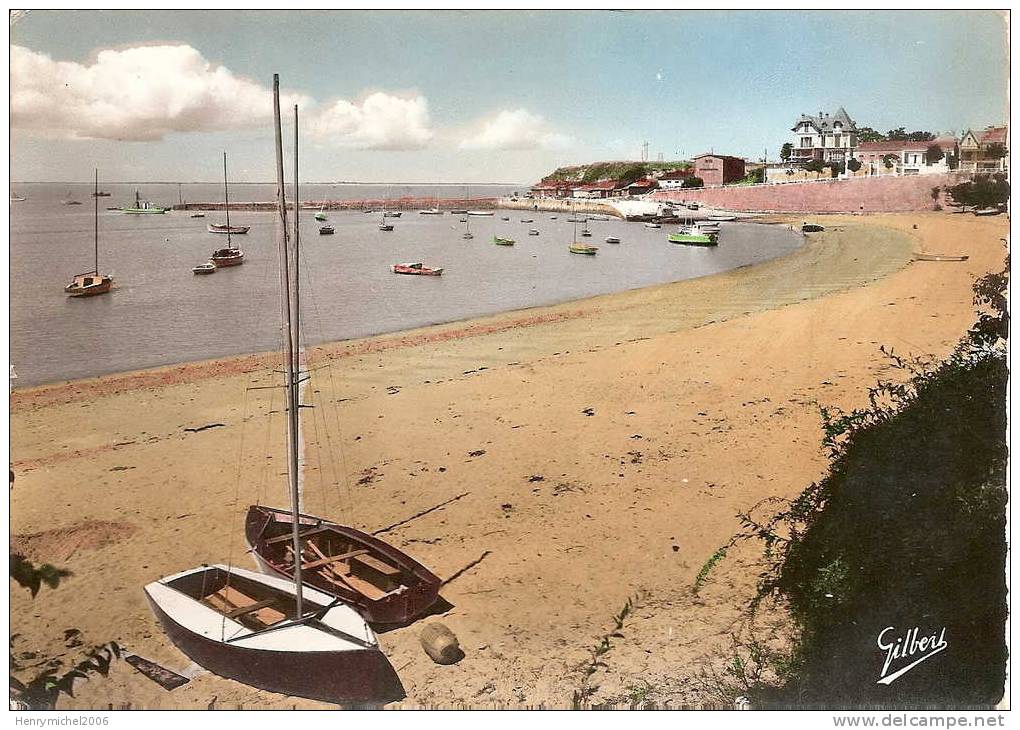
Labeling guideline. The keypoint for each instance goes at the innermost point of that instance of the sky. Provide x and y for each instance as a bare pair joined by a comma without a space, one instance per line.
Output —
474,96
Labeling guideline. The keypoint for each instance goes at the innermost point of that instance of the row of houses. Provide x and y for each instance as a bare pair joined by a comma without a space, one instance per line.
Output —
833,139
711,168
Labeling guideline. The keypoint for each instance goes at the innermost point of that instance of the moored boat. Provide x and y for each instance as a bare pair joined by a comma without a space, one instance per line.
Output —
141,207
392,213
503,241
533,232
227,257
209,267
722,218
198,215
811,228
481,212
527,220
385,226
415,269
693,237
612,239
326,230
226,228
583,248
382,582
320,216
431,211
92,282
652,225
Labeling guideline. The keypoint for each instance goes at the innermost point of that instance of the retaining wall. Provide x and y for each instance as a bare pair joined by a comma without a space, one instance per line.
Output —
859,195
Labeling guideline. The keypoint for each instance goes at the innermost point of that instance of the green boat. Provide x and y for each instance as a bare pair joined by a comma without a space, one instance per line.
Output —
693,238
320,216
500,241
142,208
583,248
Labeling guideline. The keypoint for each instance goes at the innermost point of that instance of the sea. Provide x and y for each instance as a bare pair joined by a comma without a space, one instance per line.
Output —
160,313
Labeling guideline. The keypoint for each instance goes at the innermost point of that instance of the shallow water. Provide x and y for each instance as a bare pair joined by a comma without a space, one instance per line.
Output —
160,313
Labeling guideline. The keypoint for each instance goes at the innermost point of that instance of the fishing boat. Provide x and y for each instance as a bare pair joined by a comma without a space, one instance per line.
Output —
652,225
326,230
415,269
612,239
209,267
533,232
482,212
92,282
383,583
320,216
693,236
142,207
228,256
268,631
583,248
503,241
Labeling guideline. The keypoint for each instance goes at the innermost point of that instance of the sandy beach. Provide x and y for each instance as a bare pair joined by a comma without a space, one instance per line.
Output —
587,453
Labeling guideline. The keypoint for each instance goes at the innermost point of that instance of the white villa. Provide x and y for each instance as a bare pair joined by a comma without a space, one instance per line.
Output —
826,137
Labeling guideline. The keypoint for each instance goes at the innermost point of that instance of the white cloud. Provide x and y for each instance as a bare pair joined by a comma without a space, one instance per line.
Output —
516,129
380,122
137,94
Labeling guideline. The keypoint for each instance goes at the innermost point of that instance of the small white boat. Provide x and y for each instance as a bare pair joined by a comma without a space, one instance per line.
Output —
722,217
481,212
527,220
198,215
533,232
598,217
652,225
385,226
431,211
209,267
612,239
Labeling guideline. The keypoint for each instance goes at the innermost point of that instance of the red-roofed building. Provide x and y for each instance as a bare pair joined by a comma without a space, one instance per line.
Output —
642,186
555,189
978,150
600,189
718,169
906,157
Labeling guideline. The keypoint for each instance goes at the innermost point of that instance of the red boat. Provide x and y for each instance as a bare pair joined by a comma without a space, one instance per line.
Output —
384,584
227,257
416,269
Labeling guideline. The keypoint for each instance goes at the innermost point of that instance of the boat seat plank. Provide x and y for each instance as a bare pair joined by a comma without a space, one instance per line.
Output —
364,587
334,559
252,607
301,534
377,565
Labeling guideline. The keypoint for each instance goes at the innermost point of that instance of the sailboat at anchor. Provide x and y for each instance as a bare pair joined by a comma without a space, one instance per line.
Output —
91,282
268,631
228,256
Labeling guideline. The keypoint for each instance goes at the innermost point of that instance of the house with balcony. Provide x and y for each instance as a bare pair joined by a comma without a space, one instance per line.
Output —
826,137
979,151
904,157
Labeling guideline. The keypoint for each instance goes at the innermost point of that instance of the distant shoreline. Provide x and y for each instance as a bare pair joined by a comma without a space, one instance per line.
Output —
267,182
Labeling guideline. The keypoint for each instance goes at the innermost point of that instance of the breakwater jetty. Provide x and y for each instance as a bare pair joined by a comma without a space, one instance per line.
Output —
554,205
407,203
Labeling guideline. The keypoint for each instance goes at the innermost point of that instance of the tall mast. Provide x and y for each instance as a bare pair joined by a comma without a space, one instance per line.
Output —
292,401
226,199
95,198
297,250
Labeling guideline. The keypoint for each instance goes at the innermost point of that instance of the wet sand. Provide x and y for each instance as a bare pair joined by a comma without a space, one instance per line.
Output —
604,448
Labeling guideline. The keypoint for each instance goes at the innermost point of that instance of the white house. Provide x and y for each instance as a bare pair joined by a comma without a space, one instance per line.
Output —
826,137
891,157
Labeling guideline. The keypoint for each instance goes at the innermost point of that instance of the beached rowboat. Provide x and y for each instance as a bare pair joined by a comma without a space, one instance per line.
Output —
415,269
383,583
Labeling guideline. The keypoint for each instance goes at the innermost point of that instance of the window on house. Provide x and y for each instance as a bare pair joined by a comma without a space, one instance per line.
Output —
837,139
805,141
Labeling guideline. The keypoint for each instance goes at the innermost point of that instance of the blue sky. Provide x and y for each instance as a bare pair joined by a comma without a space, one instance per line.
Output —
477,96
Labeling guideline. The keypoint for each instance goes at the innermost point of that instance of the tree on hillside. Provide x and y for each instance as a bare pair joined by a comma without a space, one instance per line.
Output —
694,182
995,150
867,134
984,191
786,152
933,154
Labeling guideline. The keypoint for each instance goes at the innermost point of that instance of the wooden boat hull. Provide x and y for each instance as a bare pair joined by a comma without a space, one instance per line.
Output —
386,227
233,230
90,290
419,587
293,666
584,250
222,258
503,241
